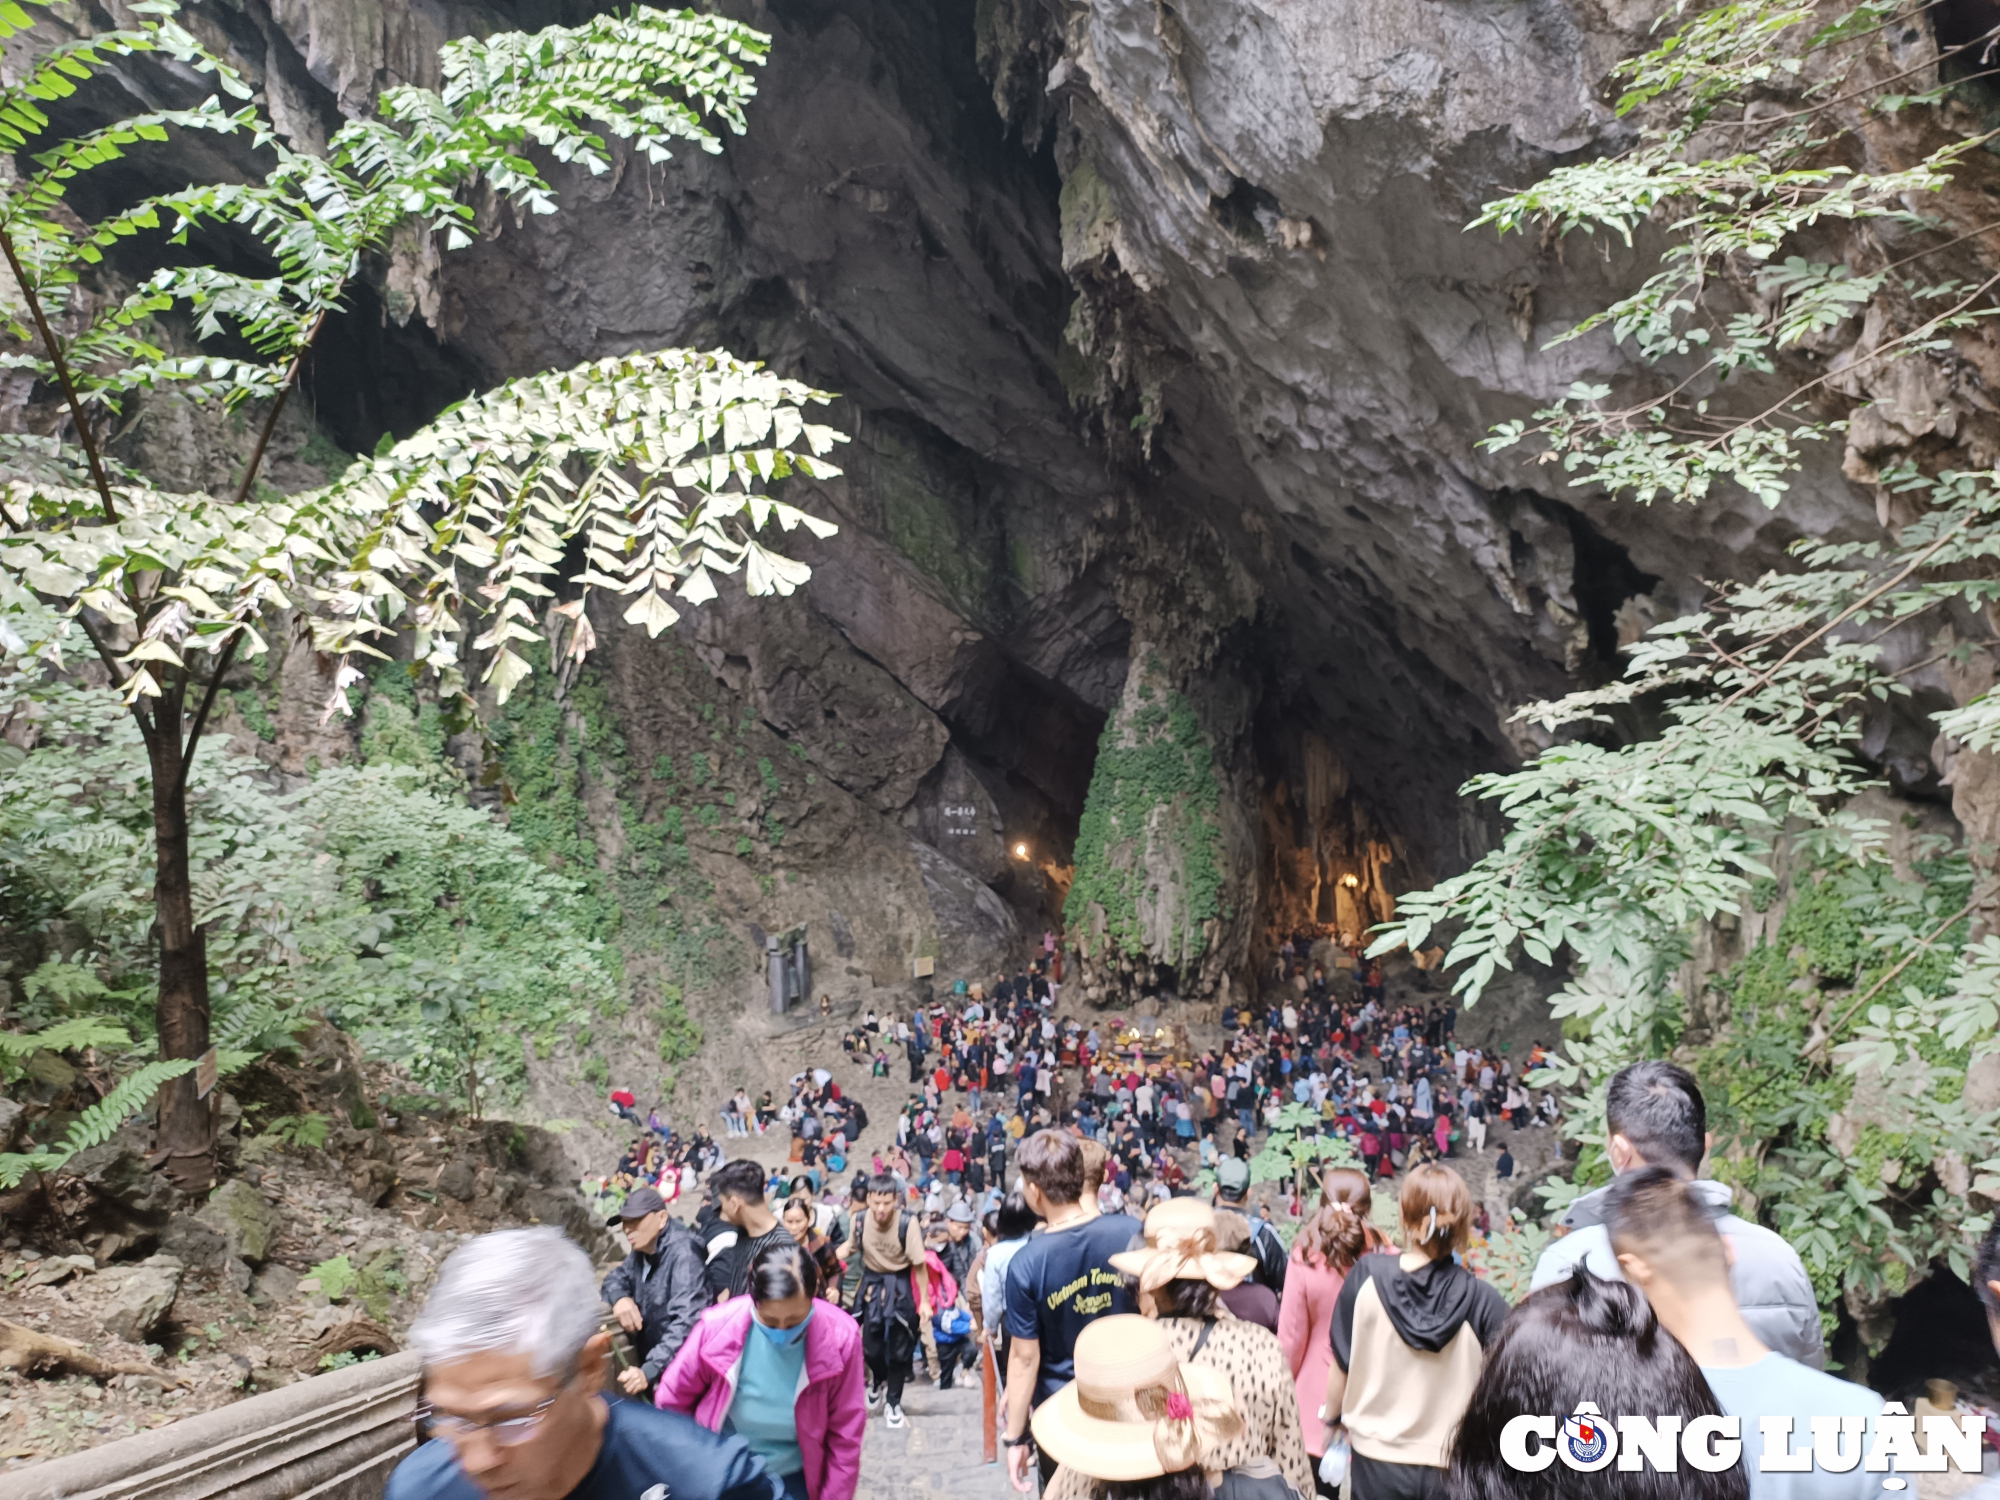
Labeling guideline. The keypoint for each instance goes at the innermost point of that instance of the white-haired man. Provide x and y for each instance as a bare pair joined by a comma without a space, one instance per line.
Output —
513,1399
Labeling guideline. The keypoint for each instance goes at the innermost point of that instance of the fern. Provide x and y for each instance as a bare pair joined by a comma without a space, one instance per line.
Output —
66,1036
96,1125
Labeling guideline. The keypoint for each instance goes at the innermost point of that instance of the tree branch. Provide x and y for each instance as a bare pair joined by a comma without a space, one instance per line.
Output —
110,661
222,661
277,409
83,432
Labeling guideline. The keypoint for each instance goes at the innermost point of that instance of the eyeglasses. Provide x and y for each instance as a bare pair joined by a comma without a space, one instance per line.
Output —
507,1431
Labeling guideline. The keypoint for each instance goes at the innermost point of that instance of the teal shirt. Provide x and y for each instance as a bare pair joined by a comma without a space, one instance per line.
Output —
767,1391
1777,1386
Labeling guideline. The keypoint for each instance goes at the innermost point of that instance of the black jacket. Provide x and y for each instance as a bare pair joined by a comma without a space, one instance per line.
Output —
671,1290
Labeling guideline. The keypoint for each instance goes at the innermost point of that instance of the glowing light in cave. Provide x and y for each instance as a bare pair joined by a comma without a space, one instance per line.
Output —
1020,851
1350,880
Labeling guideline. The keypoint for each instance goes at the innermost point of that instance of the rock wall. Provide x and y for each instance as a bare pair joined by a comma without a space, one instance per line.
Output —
1155,322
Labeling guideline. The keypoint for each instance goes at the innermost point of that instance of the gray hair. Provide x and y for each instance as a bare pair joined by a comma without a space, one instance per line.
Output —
525,1291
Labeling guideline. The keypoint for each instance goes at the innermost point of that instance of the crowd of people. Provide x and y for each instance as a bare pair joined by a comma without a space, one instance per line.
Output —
1167,1316
1136,1366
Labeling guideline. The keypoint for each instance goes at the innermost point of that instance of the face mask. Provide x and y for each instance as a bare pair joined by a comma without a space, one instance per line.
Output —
784,1338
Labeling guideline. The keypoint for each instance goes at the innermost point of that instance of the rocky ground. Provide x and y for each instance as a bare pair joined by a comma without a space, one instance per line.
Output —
124,1305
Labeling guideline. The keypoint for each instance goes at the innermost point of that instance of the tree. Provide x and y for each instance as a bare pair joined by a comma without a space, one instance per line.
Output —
1812,259
655,462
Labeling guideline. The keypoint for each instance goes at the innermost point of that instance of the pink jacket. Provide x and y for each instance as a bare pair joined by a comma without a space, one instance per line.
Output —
1305,1324
832,1405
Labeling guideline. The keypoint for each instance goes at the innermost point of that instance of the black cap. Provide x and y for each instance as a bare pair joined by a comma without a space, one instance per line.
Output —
638,1203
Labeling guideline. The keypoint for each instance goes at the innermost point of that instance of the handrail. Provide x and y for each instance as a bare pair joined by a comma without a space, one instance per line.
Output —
333,1437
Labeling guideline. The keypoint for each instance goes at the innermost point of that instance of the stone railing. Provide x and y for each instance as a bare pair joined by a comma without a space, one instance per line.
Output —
333,1437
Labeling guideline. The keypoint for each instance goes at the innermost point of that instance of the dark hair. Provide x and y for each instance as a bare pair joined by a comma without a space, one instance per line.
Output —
1186,1297
1658,1108
885,1183
1053,1162
780,1270
1013,1219
1653,1213
739,1179
1986,1268
1583,1339
1184,1484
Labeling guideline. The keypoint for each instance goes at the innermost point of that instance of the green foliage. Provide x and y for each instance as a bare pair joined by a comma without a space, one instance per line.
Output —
1833,1055
367,895
1153,804
309,1131
1295,1149
96,1125
1508,1254
336,1278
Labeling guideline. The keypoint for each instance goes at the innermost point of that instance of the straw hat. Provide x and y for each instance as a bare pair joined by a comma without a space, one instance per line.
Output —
1134,1410
1180,1245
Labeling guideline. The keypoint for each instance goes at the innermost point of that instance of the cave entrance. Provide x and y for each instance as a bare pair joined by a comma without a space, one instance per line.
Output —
1330,866
1032,745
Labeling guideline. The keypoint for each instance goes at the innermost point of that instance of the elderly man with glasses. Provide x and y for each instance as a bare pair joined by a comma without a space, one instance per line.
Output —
514,1404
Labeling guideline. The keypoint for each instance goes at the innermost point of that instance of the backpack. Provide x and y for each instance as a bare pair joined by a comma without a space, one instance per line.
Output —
1270,1253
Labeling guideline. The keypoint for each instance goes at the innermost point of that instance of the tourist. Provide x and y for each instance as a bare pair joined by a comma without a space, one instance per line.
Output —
1057,1284
1409,1335
1178,1276
1135,1423
1584,1340
738,1189
893,1302
1010,1225
658,1290
780,1368
1323,1252
801,1221
1669,1246
512,1402
1654,1115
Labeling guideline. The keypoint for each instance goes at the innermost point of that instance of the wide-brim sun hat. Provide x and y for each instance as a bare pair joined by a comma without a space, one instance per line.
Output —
1134,1410
1181,1246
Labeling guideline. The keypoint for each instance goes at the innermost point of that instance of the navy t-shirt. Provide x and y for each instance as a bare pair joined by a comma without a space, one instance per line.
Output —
646,1453
1061,1280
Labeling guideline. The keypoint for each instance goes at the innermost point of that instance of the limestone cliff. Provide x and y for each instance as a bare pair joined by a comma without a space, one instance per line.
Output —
1160,340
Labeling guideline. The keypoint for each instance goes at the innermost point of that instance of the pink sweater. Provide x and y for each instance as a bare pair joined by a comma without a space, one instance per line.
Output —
1305,1328
832,1406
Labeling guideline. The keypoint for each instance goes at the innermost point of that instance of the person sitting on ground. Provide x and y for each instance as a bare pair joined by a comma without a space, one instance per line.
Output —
658,1290
780,1368
1136,1423
1057,1284
1178,1274
1410,1333
512,1403
739,1202
1654,1115
1670,1247
1583,1340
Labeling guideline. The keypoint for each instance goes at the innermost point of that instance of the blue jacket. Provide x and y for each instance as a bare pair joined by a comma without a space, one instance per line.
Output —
646,1452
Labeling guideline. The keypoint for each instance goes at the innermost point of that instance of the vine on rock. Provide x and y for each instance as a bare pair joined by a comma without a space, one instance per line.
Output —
1149,845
